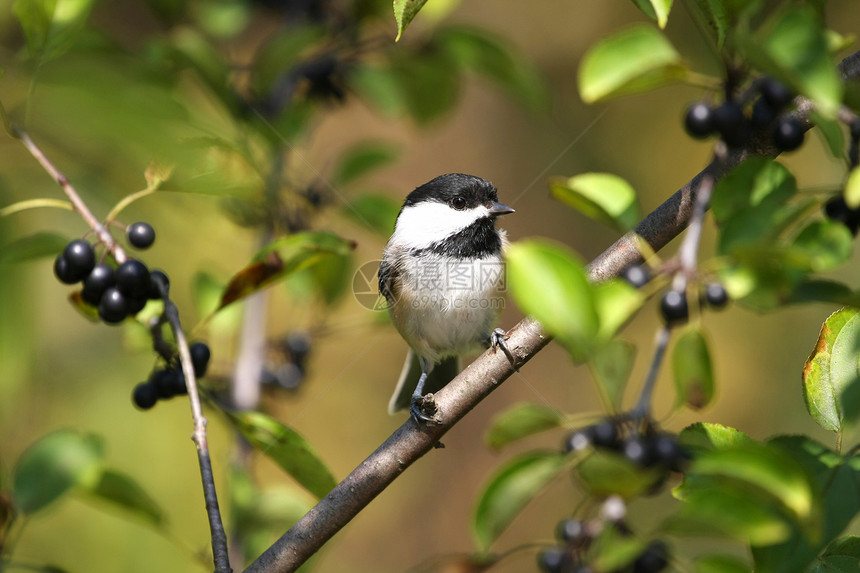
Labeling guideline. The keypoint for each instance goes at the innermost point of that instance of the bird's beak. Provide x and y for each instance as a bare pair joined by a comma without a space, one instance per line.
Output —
500,209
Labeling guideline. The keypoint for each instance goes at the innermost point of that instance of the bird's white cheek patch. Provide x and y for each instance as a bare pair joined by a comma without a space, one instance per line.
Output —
421,225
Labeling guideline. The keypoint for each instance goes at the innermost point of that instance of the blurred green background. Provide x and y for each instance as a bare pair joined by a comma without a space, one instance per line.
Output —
103,124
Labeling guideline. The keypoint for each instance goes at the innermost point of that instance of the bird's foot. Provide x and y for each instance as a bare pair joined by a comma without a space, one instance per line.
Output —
424,409
497,340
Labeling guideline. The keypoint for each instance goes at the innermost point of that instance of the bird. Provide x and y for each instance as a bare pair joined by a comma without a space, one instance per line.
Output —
442,276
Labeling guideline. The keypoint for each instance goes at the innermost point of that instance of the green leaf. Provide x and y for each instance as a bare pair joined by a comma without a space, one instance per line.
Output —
715,15
822,290
768,470
827,244
831,132
657,10
376,211
611,366
31,247
404,12
612,550
519,421
634,60
832,367
841,556
124,492
52,466
194,50
616,301
692,369
607,473
795,44
281,258
361,159
720,564
51,26
510,488
601,196
287,449
549,283
730,512
474,50
757,183
852,188
429,85
380,87
707,437
837,486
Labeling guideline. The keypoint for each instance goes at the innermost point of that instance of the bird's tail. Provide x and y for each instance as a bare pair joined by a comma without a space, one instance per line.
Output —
441,374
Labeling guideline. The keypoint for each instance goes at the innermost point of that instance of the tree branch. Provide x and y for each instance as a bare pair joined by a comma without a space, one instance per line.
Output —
488,371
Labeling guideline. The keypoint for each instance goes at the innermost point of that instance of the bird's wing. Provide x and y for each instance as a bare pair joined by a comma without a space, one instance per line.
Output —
441,374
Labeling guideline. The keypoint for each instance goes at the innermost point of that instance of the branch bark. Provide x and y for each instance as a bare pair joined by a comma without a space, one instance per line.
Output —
488,371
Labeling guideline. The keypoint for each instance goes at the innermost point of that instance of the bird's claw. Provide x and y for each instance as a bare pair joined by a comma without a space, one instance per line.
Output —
424,409
497,340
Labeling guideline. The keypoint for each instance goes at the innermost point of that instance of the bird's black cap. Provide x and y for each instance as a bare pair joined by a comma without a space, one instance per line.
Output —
443,189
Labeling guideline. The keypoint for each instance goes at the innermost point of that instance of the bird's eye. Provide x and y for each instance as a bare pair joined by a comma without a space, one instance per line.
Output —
458,203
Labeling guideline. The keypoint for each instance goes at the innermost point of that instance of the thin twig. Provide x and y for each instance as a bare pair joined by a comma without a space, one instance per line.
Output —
98,228
216,526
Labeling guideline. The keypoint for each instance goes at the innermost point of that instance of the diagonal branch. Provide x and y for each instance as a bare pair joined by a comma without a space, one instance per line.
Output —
488,371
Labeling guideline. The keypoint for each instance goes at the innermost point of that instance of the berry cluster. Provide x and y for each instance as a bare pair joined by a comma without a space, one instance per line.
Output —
648,449
576,536
288,366
116,291
731,123
673,306
165,383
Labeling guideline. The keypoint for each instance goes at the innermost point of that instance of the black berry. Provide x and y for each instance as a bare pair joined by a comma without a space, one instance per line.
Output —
775,93
605,434
63,271
638,450
579,439
555,560
716,295
570,530
762,114
699,120
97,282
655,558
135,305
132,279
788,134
158,281
673,307
637,275
854,128
731,124
80,256
669,452
140,235
200,355
177,382
161,380
144,396
836,209
299,346
113,306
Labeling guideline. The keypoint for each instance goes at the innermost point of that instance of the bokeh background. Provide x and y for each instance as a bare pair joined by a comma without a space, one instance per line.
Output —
58,370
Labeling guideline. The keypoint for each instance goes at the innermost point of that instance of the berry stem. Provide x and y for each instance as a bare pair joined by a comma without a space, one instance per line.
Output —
98,228
216,525
643,406
688,252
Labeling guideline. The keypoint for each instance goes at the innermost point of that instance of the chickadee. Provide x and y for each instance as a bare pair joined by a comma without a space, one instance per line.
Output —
442,276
